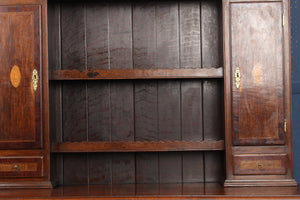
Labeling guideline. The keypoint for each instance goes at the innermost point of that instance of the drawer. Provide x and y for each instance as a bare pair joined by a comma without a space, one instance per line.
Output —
260,164
21,166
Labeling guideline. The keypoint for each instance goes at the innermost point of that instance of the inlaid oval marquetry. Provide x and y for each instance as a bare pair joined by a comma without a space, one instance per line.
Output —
15,76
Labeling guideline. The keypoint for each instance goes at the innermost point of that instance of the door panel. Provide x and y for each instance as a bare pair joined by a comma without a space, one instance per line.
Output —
257,71
20,100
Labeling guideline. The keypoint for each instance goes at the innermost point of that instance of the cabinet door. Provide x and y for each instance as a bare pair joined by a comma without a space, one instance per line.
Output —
20,90
257,73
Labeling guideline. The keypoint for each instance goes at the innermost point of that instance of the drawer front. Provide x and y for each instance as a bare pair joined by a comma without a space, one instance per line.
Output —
260,164
21,166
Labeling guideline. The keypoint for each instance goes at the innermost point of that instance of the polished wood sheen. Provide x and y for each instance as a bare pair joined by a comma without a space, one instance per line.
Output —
21,166
188,191
24,106
20,105
257,93
138,146
261,164
258,104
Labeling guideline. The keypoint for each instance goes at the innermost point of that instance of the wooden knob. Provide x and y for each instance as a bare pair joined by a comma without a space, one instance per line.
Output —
16,167
260,166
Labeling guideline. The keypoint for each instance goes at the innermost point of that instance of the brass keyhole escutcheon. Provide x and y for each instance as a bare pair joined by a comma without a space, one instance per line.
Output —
237,77
260,166
35,79
16,167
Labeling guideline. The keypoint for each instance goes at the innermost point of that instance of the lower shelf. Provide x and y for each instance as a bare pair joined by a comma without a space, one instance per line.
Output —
190,191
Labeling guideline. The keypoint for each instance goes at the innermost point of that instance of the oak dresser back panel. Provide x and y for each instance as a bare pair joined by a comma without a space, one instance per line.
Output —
137,35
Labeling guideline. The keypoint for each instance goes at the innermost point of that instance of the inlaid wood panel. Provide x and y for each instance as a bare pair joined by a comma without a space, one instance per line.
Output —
260,164
21,166
20,54
257,50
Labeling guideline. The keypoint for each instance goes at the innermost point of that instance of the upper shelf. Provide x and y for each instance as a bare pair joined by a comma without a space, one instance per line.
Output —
136,74
138,146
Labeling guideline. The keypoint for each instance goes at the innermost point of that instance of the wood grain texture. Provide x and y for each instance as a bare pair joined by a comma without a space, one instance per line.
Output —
21,166
97,38
138,146
191,90
122,110
55,90
75,169
262,164
169,129
146,129
140,40
137,74
73,56
100,168
192,191
212,89
25,47
261,90
20,47
145,91
74,93
170,164
98,93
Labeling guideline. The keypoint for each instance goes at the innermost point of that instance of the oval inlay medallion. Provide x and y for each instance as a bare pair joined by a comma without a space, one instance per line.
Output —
15,76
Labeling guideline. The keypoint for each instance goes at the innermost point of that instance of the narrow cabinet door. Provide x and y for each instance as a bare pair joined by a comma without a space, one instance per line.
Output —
20,77
256,30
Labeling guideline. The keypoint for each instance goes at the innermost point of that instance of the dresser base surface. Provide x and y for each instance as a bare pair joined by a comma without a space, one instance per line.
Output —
190,191
259,183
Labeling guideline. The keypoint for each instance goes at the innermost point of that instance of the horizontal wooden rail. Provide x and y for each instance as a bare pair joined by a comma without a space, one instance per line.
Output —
127,146
136,74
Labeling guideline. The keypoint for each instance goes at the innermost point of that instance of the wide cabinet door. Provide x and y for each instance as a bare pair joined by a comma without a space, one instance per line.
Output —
20,91
257,70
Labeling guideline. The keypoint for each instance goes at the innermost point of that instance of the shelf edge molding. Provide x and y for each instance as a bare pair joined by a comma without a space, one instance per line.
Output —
182,73
138,146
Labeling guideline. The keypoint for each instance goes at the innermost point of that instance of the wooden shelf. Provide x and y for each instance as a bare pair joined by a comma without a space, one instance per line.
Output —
73,147
136,74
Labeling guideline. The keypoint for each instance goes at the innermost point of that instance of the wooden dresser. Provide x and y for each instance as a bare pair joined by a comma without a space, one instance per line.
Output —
145,99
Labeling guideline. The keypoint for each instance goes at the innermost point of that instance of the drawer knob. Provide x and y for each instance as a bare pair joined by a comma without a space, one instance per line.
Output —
260,166
16,167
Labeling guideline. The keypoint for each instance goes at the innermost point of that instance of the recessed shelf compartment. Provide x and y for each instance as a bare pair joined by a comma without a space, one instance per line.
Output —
122,73
137,74
138,146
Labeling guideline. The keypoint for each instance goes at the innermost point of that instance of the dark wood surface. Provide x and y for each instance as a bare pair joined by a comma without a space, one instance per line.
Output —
138,40
160,40
190,191
20,50
255,111
137,74
260,164
258,105
26,48
138,146
21,166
